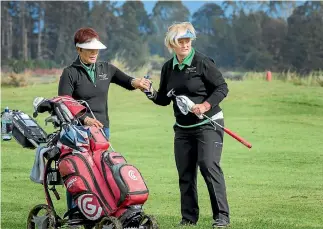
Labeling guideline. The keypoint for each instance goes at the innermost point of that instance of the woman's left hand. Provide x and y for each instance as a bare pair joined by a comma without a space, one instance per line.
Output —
199,109
141,83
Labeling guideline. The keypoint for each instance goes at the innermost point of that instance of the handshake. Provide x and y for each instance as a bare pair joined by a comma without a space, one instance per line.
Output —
144,84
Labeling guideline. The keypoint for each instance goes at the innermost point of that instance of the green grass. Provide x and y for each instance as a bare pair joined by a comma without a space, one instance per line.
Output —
277,184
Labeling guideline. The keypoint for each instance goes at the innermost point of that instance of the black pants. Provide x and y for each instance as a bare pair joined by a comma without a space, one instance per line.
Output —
200,146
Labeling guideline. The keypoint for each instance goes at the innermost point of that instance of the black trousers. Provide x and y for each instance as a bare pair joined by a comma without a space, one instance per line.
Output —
200,147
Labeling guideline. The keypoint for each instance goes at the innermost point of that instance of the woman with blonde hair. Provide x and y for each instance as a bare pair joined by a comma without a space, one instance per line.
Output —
191,75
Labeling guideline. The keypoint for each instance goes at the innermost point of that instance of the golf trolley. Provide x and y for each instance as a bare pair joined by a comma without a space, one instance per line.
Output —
64,115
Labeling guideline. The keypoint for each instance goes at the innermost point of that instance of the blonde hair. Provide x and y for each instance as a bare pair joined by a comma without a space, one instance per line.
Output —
171,38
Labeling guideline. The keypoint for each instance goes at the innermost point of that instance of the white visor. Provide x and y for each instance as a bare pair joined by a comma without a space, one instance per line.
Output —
93,44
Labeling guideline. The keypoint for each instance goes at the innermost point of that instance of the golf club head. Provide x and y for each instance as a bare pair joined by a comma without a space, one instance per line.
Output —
171,93
148,92
37,101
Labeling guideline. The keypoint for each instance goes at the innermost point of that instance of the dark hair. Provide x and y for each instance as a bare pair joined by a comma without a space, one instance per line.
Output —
85,34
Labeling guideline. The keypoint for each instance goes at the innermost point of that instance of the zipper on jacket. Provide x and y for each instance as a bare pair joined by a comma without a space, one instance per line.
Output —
90,76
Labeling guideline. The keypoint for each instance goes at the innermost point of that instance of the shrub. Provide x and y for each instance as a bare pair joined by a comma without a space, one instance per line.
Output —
123,66
19,66
233,75
15,80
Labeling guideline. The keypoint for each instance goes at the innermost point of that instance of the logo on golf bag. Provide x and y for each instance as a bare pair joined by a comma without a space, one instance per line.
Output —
71,182
132,175
89,206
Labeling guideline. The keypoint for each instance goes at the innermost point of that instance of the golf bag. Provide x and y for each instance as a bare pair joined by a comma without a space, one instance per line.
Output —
108,192
99,179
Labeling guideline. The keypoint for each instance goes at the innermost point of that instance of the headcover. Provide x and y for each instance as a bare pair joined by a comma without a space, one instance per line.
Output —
71,107
41,105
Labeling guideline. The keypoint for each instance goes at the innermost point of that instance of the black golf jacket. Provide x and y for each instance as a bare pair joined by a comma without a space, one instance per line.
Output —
76,82
201,81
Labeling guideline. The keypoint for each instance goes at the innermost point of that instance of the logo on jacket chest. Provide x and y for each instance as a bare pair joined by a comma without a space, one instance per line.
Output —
190,70
103,76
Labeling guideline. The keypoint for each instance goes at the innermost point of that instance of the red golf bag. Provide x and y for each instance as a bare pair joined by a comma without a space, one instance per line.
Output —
108,192
99,179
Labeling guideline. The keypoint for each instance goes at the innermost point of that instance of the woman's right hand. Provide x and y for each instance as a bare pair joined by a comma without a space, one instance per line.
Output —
141,83
92,122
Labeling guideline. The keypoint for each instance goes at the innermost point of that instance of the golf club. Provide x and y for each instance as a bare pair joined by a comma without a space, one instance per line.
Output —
185,105
231,133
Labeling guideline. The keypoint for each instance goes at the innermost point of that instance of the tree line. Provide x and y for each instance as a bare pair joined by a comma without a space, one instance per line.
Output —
259,35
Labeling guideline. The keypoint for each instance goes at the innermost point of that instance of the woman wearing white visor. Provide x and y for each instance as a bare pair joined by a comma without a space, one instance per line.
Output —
88,79
197,143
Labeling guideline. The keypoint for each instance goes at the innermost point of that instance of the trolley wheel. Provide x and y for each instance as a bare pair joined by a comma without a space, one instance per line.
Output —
41,216
109,222
148,222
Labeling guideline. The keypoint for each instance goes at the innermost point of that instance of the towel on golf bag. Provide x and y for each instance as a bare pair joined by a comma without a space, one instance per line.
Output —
38,169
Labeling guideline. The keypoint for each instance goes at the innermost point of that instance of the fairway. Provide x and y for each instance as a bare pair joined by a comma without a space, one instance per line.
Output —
278,184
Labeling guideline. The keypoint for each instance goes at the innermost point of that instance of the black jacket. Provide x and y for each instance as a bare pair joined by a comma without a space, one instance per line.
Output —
200,82
76,82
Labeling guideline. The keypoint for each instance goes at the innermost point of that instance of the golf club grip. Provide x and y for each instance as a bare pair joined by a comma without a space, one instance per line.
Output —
238,138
